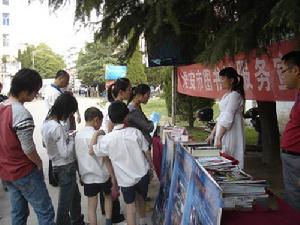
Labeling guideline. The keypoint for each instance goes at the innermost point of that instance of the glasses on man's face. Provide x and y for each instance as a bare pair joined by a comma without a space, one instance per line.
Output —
284,70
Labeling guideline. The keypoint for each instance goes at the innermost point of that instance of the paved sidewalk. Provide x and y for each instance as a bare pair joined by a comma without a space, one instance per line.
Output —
32,220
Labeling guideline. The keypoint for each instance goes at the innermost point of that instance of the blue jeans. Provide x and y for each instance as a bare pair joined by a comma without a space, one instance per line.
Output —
30,189
291,179
69,201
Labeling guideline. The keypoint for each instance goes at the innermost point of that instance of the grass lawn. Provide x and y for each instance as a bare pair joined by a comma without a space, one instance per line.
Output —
157,104
198,132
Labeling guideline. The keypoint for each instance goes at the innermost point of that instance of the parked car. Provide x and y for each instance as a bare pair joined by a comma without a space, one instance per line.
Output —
83,90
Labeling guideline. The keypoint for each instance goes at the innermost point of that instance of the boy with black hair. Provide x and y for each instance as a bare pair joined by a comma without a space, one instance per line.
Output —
128,152
94,171
20,165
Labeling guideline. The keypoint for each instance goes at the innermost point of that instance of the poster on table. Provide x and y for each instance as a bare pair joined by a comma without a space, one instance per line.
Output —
158,216
204,200
178,193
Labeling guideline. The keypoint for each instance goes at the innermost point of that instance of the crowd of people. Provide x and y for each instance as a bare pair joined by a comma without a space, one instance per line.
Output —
116,156
111,152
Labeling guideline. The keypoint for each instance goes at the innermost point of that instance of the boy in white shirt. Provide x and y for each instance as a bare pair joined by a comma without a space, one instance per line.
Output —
128,152
93,171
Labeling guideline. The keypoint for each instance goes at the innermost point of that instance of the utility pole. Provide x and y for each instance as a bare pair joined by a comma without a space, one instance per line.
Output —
174,96
33,54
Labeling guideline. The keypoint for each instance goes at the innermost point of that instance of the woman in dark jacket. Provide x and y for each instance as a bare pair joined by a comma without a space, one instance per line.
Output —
136,117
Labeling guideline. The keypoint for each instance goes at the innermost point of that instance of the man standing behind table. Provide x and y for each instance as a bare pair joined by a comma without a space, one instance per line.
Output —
290,142
20,165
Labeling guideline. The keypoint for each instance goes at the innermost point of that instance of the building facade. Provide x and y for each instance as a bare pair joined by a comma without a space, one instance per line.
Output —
8,44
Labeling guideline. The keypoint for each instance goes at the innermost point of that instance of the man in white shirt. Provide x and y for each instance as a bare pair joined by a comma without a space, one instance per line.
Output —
93,170
128,152
56,89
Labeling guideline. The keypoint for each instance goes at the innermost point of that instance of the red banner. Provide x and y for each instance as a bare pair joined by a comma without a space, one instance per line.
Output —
263,79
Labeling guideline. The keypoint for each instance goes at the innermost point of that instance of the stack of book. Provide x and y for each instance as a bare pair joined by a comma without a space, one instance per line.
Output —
201,149
214,162
243,193
239,189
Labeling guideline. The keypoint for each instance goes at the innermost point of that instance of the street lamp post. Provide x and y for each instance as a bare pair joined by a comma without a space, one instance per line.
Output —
33,54
34,51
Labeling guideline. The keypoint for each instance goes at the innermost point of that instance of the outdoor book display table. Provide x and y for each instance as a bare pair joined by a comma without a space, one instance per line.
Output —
189,194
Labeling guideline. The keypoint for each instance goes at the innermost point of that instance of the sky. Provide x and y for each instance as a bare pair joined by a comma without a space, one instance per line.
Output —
34,23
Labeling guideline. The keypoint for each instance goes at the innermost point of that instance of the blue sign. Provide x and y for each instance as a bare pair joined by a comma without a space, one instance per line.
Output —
204,199
183,167
113,72
188,194
161,203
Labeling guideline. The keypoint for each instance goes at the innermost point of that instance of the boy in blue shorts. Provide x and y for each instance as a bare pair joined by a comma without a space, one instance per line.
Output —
128,152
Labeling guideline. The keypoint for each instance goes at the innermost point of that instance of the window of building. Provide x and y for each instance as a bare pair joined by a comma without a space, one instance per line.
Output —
5,2
5,40
5,19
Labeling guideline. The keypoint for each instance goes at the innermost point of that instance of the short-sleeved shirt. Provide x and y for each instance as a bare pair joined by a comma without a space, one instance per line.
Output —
91,168
51,94
291,136
106,119
125,147
59,145
16,140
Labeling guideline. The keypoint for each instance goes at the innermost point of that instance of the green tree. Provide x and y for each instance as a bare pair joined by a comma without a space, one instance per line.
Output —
25,57
4,61
91,61
135,68
206,30
42,59
156,75
186,105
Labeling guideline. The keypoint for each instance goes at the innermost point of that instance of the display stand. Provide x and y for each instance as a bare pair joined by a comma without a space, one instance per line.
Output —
189,195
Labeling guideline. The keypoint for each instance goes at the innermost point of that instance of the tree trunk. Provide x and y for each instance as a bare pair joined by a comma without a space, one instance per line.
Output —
269,131
191,118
